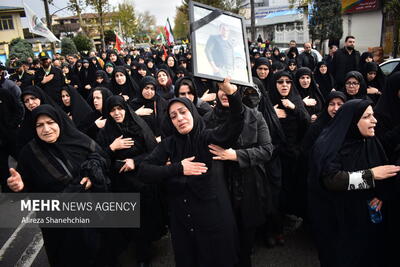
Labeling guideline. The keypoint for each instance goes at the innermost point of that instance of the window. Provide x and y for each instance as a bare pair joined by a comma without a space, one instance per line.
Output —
6,23
389,67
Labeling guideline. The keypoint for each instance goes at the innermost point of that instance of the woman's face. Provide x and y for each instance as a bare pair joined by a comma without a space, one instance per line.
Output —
352,86
99,80
305,81
323,69
184,91
334,106
113,57
65,97
369,59
170,62
149,91
97,100
65,70
142,72
276,52
162,78
292,67
120,78
366,125
31,102
47,129
109,69
262,71
181,118
371,75
223,98
86,65
118,114
284,84
150,64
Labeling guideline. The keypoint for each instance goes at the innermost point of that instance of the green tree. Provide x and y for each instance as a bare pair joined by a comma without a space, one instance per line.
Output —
182,13
68,46
77,6
393,9
125,16
20,48
101,7
326,20
82,42
146,26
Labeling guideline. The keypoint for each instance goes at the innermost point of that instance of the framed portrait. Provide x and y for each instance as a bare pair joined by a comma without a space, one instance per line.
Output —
219,45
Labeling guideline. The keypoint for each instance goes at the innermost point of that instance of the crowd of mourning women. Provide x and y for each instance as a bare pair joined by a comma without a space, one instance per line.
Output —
311,143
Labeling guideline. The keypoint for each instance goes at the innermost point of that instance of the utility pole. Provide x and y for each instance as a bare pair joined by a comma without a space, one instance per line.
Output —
48,21
253,21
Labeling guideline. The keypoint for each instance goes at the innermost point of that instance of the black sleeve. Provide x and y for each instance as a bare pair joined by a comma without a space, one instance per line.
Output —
229,131
153,169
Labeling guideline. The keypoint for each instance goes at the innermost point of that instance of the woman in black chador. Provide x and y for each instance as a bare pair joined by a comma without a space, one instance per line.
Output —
201,219
74,105
375,80
324,79
294,119
309,92
123,84
244,167
61,159
262,70
152,107
128,140
355,86
102,80
87,77
347,163
95,119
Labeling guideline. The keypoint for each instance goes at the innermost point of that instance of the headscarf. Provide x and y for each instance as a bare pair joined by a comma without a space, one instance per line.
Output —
129,88
167,92
312,91
106,79
78,106
362,91
263,61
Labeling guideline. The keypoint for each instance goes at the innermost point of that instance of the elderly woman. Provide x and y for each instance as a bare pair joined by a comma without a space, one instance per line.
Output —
201,218
60,159
348,163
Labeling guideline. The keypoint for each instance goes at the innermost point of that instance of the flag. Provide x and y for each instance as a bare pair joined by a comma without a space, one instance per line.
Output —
168,32
36,25
161,38
118,42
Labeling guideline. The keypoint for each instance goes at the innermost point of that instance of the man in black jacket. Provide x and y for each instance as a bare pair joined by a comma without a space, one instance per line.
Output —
345,59
21,76
308,58
49,78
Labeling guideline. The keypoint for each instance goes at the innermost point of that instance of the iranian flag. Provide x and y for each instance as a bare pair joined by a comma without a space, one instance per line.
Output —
118,42
168,32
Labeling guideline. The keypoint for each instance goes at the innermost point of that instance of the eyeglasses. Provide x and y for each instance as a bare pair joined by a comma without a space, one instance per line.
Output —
352,84
284,81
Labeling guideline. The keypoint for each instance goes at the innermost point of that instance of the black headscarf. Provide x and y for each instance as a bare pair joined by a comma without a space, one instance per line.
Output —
322,121
325,81
72,146
312,91
78,106
263,61
156,103
167,92
363,57
362,92
132,126
378,82
106,79
130,88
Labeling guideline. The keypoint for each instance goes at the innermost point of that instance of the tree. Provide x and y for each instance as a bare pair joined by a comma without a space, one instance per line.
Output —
101,7
326,20
146,26
20,48
68,46
182,13
393,8
125,16
77,6
82,42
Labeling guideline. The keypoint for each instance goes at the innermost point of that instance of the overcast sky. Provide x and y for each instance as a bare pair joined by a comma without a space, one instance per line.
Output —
161,9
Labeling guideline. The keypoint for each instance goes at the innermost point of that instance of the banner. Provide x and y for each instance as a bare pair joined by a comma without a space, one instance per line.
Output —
354,6
36,25
168,32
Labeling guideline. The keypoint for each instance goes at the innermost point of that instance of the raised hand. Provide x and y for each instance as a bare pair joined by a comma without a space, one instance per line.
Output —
15,182
193,168
223,154
121,143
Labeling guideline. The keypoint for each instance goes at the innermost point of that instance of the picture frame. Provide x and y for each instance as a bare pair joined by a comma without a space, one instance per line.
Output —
219,45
